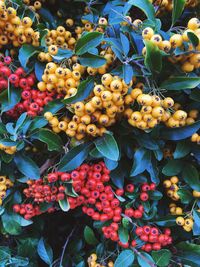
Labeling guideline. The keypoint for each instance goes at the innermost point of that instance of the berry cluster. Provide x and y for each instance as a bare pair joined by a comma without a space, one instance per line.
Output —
101,110
5,183
60,79
91,191
34,5
154,239
180,41
172,188
186,223
167,5
33,100
15,30
92,262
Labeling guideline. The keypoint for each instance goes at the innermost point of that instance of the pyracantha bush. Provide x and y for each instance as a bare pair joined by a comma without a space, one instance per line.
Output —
99,133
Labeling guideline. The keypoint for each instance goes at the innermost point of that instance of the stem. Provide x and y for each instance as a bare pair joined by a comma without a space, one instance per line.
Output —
65,245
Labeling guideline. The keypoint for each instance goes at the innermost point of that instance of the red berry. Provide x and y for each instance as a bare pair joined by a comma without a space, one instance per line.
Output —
156,246
139,231
119,192
145,187
137,214
16,208
7,60
144,196
130,188
14,78
65,177
133,243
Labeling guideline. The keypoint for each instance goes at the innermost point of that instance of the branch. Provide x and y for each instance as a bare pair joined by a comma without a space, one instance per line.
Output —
65,245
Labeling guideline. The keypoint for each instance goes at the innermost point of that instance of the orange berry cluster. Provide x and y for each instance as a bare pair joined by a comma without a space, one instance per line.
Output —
8,149
5,183
188,62
100,111
61,79
172,188
167,5
15,30
186,222
195,138
153,111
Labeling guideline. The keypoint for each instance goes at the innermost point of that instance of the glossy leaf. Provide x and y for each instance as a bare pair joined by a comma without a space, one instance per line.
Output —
125,258
45,251
88,41
53,141
178,6
89,236
162,257
91,60
191,176
107,146
173,167
25,53
180,83
145,6
153,57
84,90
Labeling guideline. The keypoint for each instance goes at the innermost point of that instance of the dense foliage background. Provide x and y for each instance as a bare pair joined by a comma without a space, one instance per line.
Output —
113,85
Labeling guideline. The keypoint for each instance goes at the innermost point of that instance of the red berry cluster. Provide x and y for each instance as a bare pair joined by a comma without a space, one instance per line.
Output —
27,210
33,100
153,238
98,200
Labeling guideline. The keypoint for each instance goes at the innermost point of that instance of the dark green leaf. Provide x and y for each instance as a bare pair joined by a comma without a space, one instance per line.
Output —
153,58
89,236
145,260
107,146
189,253
62,55
54,106
91,60
191,176
180,83
162,257
45,251
84,90
193,39
27,166
9,101
173,167
185,196
123,234
182,149
125,258
166,221
180,133
196,226
145,6
10,226
178,7
25,53
53,141
88,41
141,161
74,157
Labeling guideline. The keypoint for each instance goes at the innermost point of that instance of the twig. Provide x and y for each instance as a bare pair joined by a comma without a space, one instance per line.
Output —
46,165
65,245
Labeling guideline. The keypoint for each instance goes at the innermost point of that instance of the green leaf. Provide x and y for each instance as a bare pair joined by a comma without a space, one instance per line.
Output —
193,39
84,90
19,261
125,258
196,226
189,253
142,159
183,148
145,260
178,7
173,167
74,157
10,226
9,101
25,53
45,251
180,83
185,196
20,121
54,106
145,6
162,257
181,132
87,42
166,221
107,146
89,236
27,166
123,234
90,60
62,54
64,205
153,58
191,176
53,141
